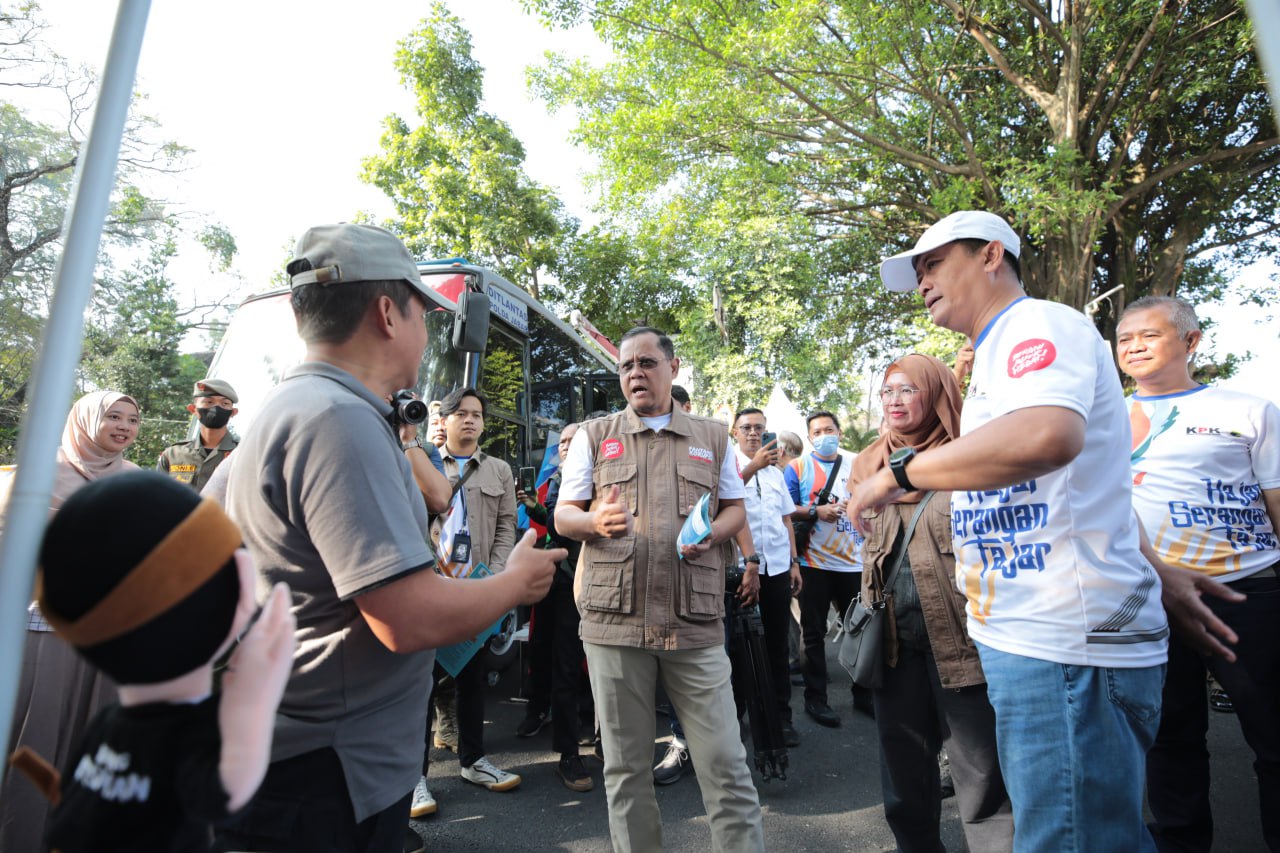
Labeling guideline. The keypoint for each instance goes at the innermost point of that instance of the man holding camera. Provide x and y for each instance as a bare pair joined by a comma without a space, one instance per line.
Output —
831,564
769,508
480,528
327,502
193,462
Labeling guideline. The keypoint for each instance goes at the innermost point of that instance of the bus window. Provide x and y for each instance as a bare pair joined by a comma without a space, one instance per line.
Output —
604,394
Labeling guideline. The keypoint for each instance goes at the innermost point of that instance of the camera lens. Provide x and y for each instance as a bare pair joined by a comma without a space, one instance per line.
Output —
413,411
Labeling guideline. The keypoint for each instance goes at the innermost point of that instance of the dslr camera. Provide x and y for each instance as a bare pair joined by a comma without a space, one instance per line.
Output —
407,409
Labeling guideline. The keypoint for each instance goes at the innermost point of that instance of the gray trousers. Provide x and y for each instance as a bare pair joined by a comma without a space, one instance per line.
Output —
623,681
916,716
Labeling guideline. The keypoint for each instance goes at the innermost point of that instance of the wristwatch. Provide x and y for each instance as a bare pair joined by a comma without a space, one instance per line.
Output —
409,445
795,561
752,558
813,512
898,465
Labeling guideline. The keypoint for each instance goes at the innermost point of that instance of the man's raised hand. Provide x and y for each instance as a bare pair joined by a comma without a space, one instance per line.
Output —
613,519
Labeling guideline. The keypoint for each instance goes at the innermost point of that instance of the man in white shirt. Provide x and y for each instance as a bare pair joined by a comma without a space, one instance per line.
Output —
1062,605
773,550
1206,484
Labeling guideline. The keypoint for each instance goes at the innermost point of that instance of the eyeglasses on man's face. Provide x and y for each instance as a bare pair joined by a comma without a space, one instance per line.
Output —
645,364
904,393
751,428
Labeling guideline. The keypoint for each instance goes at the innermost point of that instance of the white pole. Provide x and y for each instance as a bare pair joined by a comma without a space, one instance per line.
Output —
60,344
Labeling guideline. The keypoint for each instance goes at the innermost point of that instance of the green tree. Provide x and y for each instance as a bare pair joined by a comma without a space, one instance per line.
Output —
1130,142
134,327
457,178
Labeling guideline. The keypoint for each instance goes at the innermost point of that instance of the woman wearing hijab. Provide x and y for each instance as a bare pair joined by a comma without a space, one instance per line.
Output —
58,692
934,693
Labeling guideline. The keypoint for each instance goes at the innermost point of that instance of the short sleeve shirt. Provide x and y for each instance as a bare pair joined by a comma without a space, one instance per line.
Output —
767,501
835,546
1201,461
575,474
328,504
1051,567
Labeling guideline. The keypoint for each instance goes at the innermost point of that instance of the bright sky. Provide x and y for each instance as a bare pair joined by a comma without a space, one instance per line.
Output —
282,99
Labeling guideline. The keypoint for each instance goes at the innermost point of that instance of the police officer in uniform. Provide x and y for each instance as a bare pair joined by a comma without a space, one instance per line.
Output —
193,462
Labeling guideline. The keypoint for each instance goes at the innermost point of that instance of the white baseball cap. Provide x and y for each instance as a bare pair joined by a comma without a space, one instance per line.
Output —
899,275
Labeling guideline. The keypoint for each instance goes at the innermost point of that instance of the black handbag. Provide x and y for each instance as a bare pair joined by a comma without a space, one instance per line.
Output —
804,527
862,644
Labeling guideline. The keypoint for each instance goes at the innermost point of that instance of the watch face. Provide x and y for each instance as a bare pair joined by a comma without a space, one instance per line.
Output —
902,455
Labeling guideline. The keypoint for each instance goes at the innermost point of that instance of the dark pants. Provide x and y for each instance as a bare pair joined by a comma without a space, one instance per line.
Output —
1178,763
304,804
775,615
820,590
471,686
556,662
916,716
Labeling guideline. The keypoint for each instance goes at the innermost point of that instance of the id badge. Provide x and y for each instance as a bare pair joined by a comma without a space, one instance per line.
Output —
461,552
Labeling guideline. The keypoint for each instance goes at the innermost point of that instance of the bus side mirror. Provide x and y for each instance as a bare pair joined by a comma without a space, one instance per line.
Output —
471,323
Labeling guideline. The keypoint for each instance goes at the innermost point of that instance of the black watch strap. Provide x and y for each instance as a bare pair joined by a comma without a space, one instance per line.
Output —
898,465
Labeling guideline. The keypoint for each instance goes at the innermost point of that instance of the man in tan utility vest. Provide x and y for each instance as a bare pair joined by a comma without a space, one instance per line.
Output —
652,607
193,462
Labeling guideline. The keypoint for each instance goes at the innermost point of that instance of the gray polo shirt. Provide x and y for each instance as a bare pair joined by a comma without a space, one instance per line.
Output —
328,504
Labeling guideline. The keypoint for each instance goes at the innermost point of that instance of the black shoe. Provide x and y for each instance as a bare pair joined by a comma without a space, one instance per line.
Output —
790,736
598,750
413,842
822,714
573,773
532,724
797,679
1220,701
672,765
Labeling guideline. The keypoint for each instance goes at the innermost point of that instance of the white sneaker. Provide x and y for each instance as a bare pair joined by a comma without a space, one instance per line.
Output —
423,803
484,773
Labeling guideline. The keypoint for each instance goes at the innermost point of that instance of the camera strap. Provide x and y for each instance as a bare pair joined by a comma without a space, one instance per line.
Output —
831,481
465,475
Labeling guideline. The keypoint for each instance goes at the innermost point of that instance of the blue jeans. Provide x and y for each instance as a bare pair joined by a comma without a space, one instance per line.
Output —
1073,742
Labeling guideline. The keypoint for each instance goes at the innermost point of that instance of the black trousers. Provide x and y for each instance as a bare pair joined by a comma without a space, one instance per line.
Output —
915,717
775,615
471,686
1178,762
304,804
820,590
556,657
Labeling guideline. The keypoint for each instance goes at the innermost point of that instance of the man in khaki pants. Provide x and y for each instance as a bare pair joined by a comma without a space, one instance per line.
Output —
651,608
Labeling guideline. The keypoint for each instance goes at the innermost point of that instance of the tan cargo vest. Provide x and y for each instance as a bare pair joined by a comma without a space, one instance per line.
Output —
638,591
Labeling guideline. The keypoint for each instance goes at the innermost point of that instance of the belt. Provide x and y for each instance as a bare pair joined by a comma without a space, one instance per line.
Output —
1271,572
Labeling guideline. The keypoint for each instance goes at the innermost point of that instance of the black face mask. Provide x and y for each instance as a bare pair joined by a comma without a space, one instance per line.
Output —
214,417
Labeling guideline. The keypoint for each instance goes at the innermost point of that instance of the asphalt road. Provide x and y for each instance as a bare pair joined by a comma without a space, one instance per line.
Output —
829,802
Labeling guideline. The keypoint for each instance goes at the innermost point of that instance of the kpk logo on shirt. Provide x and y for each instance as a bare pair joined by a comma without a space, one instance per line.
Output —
702,455
1032,354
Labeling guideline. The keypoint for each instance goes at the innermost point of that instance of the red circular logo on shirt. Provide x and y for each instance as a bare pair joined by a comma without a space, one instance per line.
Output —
1033,354
611,449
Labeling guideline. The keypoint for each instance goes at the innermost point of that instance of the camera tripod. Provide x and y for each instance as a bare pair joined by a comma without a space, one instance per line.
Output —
750,660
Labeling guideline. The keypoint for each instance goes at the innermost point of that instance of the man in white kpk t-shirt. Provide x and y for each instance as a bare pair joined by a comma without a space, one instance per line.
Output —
1206,484
1063,607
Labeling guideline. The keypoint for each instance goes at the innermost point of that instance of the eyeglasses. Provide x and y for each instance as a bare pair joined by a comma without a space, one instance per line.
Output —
903,394
751,429
645,364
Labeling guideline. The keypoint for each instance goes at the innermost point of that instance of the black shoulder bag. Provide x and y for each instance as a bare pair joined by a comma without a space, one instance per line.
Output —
862,645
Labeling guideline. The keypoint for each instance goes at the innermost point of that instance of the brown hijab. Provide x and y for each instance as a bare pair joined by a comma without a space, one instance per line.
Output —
941,424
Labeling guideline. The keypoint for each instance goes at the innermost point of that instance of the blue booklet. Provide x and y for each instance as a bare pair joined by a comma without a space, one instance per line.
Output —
454,658
697,527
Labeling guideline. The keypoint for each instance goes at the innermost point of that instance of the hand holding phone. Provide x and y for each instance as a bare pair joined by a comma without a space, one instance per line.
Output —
526,484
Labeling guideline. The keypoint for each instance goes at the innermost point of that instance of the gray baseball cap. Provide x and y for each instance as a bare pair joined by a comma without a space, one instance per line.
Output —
897,272
211,387
350,252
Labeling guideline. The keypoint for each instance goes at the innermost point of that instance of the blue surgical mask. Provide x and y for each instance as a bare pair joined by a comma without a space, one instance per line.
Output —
826,445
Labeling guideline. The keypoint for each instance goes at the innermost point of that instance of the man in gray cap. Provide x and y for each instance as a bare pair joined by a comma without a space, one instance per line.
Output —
327,501
1063,603
194,461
